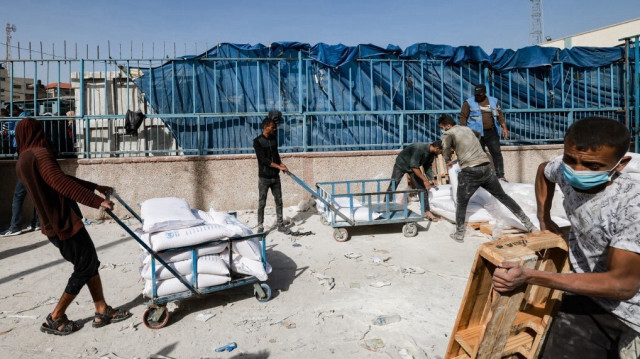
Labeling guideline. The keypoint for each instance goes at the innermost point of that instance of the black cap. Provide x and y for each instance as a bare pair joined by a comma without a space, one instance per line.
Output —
480,89
275,115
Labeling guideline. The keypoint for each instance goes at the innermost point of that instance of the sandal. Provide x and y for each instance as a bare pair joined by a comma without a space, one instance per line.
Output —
432,218
52,326
106,317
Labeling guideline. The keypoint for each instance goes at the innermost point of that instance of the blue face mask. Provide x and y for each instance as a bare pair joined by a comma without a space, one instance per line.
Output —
585,180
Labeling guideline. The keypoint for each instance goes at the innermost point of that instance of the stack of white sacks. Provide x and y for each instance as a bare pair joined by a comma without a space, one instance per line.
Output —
170,223
485,208
344,205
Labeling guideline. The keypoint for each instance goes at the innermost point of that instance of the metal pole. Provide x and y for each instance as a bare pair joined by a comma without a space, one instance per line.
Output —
300,82
35,88
626,82
636,83
81,113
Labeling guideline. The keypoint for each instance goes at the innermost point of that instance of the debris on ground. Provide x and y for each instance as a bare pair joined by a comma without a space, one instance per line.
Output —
353,255
373,345
386,319
324,280
380,284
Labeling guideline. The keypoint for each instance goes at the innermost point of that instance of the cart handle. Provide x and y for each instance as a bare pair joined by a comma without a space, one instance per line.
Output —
315,194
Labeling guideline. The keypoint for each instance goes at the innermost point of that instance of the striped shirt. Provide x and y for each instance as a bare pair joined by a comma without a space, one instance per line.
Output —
54,193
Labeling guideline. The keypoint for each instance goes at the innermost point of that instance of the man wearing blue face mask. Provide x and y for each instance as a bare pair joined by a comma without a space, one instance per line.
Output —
600,315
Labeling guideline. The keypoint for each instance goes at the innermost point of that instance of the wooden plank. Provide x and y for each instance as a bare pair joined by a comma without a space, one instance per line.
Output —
509,248
466,307
504,311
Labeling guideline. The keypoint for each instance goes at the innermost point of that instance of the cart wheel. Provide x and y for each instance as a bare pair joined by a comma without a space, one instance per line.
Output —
324,220
340,234
155,317
267,293
410,229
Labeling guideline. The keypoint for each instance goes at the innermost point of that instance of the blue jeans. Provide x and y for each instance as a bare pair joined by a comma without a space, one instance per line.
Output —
19,193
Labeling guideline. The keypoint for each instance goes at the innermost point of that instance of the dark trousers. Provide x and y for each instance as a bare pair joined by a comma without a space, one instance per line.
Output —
19,194
469,180
80,251
584,330
397,175
263,187
491,140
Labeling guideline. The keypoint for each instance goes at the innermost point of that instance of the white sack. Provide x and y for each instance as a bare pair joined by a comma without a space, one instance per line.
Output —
360,213
444,190
229,221
447,209
247,266
187,236
248,248
170,257
209,264
173,285
454,171
162,214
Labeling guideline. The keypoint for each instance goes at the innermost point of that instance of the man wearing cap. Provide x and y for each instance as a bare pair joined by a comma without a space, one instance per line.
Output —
483,114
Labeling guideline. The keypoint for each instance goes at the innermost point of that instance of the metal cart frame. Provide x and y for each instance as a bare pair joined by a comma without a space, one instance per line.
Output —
385,203
156,315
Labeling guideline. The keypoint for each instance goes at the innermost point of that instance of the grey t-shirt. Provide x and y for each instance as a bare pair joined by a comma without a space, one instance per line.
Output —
464,142
610,218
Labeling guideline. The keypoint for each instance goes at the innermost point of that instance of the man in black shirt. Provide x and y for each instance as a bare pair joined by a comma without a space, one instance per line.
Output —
410,160
269,166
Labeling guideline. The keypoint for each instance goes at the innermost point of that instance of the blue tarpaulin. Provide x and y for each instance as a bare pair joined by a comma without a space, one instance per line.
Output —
299,78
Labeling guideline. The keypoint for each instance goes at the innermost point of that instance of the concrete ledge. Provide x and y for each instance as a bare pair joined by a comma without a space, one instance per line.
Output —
229,182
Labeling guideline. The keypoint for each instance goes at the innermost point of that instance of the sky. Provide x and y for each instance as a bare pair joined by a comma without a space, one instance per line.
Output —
195,25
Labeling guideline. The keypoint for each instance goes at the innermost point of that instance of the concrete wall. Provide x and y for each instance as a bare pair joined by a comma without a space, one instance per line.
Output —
229,182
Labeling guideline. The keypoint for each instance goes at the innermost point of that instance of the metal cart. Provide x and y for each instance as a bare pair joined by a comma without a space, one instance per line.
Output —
368,194
156,315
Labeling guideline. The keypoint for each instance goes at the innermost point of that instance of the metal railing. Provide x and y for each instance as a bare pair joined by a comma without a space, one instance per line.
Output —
216,105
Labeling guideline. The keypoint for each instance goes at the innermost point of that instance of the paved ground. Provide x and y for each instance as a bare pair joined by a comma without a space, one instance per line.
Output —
326,297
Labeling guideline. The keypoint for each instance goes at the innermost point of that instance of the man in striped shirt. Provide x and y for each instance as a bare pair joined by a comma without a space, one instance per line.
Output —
56,196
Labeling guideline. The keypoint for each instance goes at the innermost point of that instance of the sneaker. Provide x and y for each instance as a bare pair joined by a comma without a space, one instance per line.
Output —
284,229
260,229
457,237
37,228
531,228
503,179
9,233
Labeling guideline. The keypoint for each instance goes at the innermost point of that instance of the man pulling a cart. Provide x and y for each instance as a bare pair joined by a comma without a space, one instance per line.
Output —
55,196
269,167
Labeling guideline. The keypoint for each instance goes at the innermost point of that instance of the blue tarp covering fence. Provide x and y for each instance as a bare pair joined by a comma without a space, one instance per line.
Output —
370,97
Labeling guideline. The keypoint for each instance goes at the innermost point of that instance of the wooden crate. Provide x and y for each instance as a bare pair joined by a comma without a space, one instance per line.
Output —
491,325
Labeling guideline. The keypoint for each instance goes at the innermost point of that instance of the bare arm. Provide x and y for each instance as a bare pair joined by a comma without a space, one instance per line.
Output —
464,113
422,177
545,190
621,281
447,140
503,123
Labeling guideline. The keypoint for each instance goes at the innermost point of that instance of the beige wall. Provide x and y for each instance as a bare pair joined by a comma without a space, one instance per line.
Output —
608,36
230,182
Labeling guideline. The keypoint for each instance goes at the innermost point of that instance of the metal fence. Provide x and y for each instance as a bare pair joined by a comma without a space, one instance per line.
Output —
372,104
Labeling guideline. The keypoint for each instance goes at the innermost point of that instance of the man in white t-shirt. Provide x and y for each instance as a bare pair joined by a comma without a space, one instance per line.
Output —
600,314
